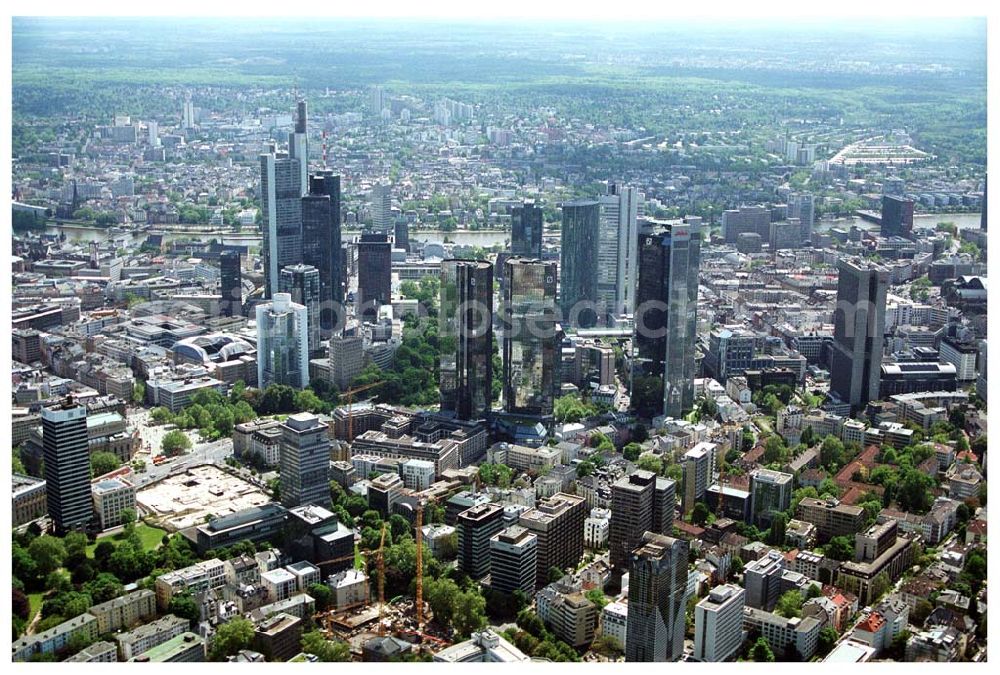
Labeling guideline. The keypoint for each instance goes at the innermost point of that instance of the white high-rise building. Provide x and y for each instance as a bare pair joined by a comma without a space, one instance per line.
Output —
282,343
718,624
187,117
618,248
381,207
153,129
376,101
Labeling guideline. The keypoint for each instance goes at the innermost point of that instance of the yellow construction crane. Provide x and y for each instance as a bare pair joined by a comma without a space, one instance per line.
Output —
420,561
380,562
350,403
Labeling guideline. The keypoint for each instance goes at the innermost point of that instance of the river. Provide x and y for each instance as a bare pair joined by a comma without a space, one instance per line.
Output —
483,238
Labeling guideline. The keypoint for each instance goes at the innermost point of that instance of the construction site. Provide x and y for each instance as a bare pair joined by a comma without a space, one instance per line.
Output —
386,629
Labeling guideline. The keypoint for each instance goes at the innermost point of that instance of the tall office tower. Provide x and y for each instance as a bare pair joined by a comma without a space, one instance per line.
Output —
153,129
466,338
347,359
666,311
281,208
718,624
381,207
401,232
656,599
897,217
304,461
807,215
513,554
526,230
558,524
580,232
770,493
617,250
858,332
376,102
699,473
531,337
282,343
187,117
762,580
301,282
298,146
321,244
639,503
374,273
476,526
67,466
664,506
982,213
230,284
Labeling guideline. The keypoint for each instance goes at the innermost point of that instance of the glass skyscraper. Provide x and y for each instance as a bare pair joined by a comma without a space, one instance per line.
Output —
282,343
321,243
666,310
466,338
526,230
230,284
858,332
657,587
283,183
531,337
374,273
302,283
578,262
67,466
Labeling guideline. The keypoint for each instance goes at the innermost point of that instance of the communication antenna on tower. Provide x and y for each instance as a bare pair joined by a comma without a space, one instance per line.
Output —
325,164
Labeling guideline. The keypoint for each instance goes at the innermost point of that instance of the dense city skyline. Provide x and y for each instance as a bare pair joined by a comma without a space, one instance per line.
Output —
499,341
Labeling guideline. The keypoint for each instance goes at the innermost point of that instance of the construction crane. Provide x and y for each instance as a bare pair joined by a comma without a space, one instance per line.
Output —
420,561
350,403
380,562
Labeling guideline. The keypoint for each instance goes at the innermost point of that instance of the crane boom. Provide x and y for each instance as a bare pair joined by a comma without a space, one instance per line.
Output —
381,580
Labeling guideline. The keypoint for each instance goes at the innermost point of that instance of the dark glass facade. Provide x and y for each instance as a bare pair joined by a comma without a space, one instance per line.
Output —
531,337
858,332
230,284
374,273
302,282
281,205
667,310
466,338
897,217
578,263
321,243
526,230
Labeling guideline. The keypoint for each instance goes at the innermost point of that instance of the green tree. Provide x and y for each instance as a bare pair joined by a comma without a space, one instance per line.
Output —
631,451
184,606
48,553
104,587
596,596
650,462
700,513
608,646
103,462
789,604
174,443
75,544
761,652
831,453
231,637
776,533
840,548
327,651
321,593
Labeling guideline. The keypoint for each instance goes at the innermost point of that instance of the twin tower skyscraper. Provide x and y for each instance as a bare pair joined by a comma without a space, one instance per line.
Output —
301,225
